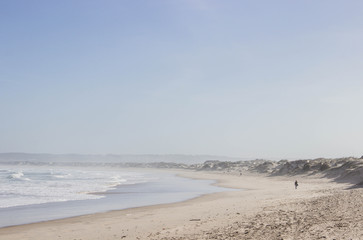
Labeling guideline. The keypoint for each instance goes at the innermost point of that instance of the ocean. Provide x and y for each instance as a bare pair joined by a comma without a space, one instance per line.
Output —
31,194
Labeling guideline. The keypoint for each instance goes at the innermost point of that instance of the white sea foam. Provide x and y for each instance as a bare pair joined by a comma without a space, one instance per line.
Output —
34,185
18,176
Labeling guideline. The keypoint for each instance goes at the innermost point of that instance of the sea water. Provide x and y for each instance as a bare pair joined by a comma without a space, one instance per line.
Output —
33,185
32,194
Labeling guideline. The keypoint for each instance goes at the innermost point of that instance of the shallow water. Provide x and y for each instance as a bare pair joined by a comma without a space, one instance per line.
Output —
24,185
37,194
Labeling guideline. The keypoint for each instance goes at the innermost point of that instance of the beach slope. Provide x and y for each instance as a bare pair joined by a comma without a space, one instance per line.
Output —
259,207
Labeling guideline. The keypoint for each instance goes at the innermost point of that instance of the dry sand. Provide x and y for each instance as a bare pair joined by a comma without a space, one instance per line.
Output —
267,208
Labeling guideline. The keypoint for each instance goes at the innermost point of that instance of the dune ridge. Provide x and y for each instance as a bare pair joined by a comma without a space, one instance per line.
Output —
328,204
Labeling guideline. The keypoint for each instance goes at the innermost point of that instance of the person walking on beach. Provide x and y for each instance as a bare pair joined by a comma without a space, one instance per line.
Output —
296,184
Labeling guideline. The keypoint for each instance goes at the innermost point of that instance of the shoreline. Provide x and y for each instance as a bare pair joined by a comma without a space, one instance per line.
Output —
197,218
163,187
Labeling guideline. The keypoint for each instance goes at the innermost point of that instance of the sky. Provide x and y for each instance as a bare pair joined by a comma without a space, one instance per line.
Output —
250,79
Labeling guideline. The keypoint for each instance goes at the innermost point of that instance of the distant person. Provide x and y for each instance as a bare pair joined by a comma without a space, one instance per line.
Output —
296,184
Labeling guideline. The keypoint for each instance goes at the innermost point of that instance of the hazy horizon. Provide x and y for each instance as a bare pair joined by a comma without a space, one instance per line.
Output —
163,157
247,79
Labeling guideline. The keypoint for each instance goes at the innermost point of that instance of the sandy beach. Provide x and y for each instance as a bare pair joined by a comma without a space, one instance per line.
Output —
260,207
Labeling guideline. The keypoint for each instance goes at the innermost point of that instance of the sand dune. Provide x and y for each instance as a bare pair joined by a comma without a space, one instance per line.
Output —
262,206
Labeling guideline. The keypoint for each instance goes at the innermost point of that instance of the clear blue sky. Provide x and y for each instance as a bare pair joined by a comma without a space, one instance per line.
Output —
259,79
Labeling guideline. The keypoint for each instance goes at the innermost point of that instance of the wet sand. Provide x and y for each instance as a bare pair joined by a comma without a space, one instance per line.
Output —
266,208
